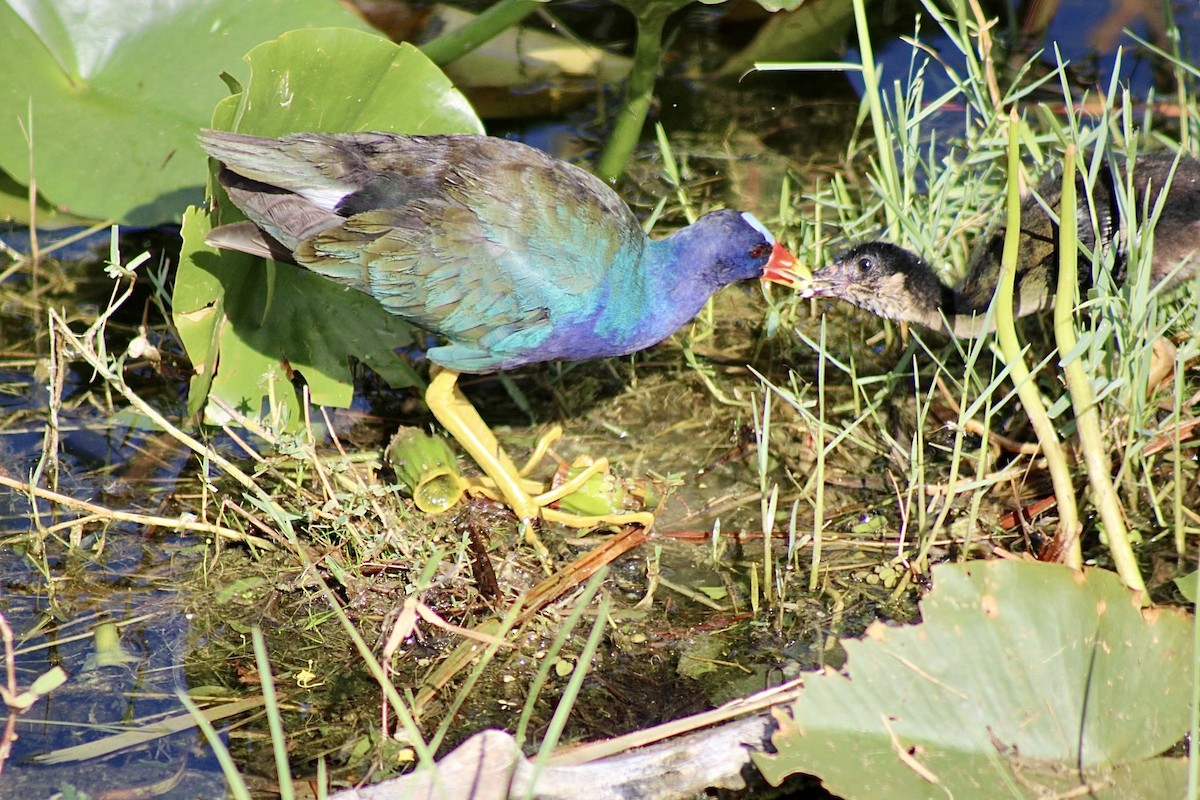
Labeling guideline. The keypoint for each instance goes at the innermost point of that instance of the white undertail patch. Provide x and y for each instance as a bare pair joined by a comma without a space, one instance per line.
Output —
325,197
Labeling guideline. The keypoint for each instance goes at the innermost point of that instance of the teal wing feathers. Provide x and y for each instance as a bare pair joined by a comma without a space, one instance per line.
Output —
510,243
500,248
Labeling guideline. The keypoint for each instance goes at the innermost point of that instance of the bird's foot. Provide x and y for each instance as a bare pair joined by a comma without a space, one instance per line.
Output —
586,502
597,505
534,504
540,449
590,498
574,483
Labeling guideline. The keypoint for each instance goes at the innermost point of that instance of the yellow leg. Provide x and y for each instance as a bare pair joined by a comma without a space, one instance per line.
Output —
462,421
459,417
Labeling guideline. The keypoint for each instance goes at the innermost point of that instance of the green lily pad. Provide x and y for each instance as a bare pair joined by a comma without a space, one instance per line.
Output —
1024,680
251,327
115,91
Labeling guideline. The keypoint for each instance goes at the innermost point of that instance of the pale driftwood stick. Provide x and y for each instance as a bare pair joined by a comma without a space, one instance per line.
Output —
490,766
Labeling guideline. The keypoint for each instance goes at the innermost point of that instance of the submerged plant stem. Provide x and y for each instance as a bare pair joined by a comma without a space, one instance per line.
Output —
490,23
1087,417
1014,357
639,89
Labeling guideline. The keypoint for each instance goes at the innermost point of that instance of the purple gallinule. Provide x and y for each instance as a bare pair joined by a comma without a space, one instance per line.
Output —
893,283
511,256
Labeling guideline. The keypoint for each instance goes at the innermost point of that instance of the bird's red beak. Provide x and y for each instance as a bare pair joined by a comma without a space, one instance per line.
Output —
781,268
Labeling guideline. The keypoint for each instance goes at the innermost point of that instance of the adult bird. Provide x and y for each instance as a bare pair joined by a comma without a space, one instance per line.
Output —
511,256
895,283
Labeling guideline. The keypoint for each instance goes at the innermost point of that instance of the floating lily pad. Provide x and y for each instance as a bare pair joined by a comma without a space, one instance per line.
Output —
1024,680
115,90
252,327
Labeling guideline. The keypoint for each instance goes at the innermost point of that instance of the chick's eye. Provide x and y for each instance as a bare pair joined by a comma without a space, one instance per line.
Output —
759,250
865,264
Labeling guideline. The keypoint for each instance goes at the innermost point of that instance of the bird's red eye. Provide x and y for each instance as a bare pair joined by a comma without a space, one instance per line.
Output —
759,250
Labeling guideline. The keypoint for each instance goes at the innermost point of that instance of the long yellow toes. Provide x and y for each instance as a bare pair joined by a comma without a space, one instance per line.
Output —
622,518
540,449
462,421
572,484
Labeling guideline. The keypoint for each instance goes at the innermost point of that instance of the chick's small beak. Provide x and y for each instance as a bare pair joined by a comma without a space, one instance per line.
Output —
816,289
781,268
828,281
